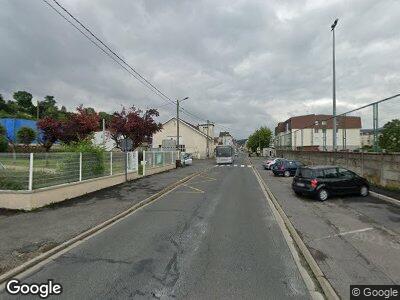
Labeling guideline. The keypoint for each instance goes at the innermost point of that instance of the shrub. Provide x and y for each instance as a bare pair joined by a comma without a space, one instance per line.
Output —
26,135
2,130
93,158
3,143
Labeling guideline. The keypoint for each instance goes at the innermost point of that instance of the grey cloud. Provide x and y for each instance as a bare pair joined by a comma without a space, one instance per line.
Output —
243,63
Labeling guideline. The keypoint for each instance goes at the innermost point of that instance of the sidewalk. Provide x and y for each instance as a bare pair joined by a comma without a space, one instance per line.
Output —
25,235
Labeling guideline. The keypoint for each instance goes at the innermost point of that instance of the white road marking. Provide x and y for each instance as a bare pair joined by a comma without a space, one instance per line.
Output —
235,165
249,166
344,233
242,166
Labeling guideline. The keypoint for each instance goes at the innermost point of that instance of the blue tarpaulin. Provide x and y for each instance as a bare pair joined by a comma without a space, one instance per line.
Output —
13,125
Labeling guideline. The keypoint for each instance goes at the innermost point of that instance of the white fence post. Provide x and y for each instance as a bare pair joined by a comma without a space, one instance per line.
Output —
80,166
30,187
154,159
137,161
111,163
144,163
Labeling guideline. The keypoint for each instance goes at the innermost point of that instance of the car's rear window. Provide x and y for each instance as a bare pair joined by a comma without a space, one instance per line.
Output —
305,173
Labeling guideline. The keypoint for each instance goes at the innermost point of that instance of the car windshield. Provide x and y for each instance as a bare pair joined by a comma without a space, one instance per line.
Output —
224,151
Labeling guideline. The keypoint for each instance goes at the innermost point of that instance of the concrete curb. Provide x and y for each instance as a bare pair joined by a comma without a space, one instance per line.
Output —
385,198
30,263
328,290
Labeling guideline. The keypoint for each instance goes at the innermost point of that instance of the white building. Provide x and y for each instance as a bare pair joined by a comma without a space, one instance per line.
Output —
315,132
196,140
104,139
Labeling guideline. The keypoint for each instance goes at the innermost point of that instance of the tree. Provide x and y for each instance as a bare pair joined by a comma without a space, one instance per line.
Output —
26,135
24,101
390,138
261,138
3,104
3,143
3,131
3,139
80,125
49,132
133,124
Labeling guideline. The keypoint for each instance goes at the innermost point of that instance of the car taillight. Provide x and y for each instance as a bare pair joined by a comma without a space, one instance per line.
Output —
314,183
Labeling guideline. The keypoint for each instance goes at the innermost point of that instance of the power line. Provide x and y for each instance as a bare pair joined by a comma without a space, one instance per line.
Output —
120,61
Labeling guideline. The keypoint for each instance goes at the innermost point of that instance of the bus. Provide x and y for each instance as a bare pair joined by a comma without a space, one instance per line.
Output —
224,154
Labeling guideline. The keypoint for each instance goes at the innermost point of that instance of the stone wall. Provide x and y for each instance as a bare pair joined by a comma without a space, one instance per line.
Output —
380,169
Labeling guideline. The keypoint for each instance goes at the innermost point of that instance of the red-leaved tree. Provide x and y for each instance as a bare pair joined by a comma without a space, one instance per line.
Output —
79,125
49,132
133,124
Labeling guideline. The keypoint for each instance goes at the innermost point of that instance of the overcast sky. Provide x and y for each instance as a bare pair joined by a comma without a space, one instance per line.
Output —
242,63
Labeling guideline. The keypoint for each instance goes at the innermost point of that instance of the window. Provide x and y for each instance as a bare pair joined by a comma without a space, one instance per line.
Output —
182,148
318,173
316,130
323,123
344,173
330,173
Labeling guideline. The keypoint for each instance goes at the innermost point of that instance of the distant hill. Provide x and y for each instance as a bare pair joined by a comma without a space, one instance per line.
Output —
241,142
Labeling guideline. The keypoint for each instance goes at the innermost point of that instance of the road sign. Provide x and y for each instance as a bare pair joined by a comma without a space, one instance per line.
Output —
126,145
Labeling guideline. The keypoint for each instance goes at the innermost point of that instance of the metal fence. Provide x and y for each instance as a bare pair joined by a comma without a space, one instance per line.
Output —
29,171
359,129
154,159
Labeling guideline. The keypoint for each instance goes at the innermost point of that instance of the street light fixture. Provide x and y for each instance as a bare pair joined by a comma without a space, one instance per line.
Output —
334,84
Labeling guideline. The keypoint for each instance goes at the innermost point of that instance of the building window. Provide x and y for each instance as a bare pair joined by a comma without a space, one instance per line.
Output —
323,123
182,148
316,130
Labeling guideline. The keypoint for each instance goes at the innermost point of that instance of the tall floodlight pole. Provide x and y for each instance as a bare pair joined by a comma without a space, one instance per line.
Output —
334,85
177,121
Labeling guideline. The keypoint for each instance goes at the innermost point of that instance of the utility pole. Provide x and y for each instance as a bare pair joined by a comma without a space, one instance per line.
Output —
177,122
208,147
334,85
37,110
177,125
104,133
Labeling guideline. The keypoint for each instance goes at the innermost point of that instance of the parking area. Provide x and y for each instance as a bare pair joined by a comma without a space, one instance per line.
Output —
354,239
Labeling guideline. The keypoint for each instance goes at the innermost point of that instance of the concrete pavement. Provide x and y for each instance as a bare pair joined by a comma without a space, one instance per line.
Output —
214,237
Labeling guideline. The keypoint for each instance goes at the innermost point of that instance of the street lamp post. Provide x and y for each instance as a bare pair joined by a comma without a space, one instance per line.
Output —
334,84
177,121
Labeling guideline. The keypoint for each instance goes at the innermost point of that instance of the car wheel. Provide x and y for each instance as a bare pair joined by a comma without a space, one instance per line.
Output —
322,195
364,191
286,174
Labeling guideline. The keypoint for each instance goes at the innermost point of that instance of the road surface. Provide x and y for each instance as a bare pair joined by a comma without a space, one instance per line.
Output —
213,238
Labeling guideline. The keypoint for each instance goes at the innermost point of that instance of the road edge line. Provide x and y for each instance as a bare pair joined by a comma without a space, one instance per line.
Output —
327,288
385,198
92,231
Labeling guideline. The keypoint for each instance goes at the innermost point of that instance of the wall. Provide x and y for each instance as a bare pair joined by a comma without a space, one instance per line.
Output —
13,125
28,200
379,169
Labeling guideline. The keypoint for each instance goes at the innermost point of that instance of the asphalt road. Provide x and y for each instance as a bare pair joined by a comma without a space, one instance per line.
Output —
214,238
354,239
